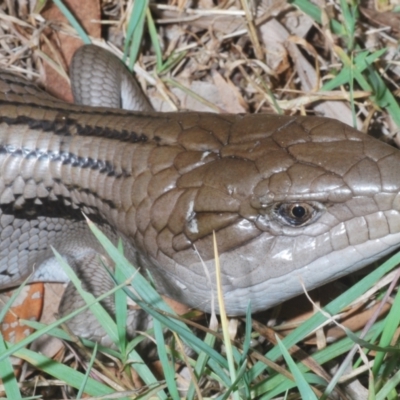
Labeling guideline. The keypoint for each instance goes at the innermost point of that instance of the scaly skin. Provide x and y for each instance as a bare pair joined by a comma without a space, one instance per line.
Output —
291,199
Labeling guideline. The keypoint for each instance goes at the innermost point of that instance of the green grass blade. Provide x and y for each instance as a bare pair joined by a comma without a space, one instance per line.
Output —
68,375
390,388
239,375
149,296
277,384
140,366
47,328
134,31
315,13
392,322
96,308
89,368
73,21
349,13
154,40
121,309
384,96
332,308
7,374
168,369
304,388
4,309
362,61
201,363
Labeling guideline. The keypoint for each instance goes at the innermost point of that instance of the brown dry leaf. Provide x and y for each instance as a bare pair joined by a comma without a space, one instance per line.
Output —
276,56
274,30
61,47
28,305
298,24
383,19
228,21
299,309
179,308
354,321
204,90
37,301
49,345
204,19
228,93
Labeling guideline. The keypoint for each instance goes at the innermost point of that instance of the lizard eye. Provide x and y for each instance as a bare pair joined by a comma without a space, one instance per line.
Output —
297,214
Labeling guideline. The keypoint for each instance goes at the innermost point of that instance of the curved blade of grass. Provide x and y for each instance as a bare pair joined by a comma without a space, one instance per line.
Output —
192,94
104,318
87,373
151,301
133,358
96,308
4,309
303,386
121,308
390,388
224,320
168,369
246,348
286,386
349,13
172,60
154,40
392,322
235,384
67,374
332,308
47,328
201,363
63,335
214,360
381,94
139,365
361,62
134,32
73,21
7,374
278,383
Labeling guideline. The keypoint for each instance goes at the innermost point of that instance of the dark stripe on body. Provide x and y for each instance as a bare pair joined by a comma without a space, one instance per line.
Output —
84,110
60,206
65,158
67,126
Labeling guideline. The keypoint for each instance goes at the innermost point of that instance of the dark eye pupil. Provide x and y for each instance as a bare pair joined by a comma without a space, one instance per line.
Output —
296,214
298,211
